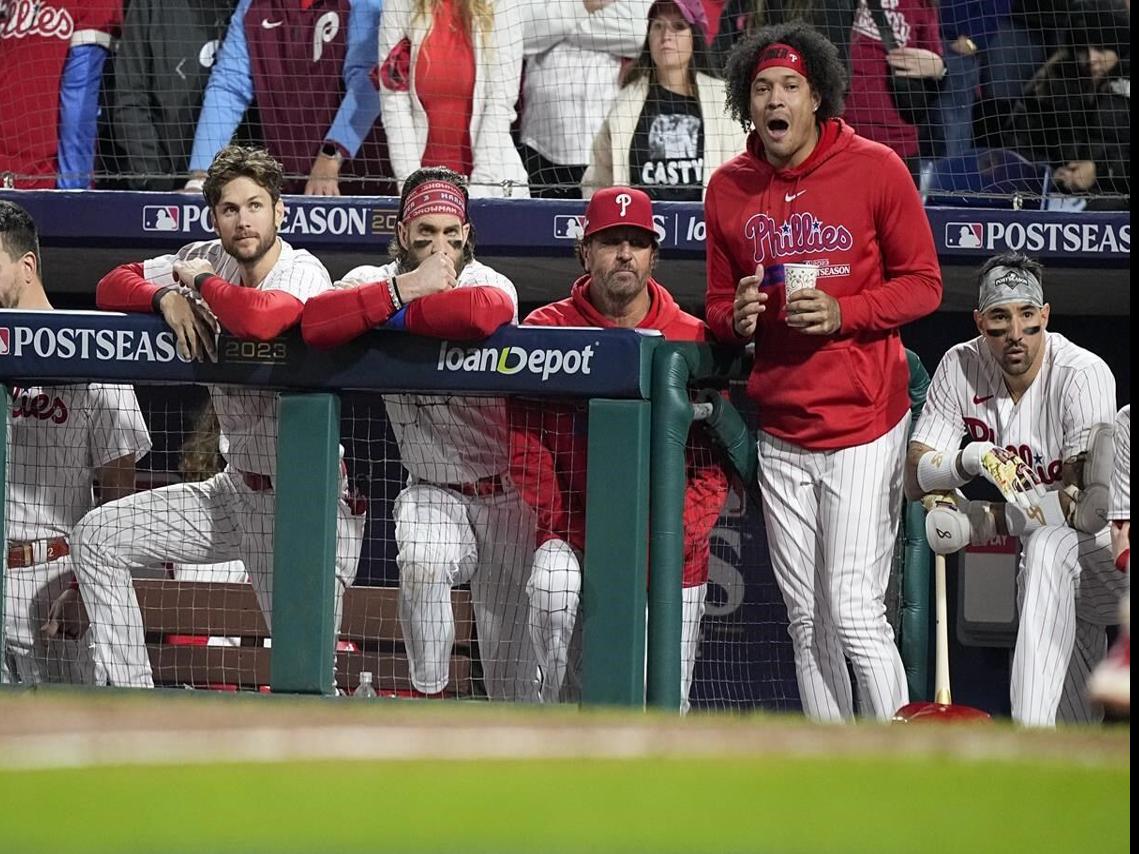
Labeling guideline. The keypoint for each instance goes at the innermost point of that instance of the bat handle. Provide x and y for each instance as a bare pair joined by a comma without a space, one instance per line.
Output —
941,692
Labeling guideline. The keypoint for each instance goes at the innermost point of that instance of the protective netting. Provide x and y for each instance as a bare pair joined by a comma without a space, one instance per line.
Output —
984,101
469,574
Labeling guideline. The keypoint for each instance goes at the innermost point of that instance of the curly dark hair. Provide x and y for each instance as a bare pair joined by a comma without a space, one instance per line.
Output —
243,161
1015,260
826,72
422,176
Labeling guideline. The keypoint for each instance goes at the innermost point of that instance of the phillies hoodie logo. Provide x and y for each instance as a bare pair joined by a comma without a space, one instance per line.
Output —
800,234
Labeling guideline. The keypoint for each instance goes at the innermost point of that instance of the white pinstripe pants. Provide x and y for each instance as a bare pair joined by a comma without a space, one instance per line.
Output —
28,657
831,518
217,520
445,539
1068,592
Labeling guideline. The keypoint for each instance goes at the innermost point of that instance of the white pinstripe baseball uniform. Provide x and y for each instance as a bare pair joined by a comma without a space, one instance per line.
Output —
227,517
831,519
1119,508
447,536
1068,587
59,437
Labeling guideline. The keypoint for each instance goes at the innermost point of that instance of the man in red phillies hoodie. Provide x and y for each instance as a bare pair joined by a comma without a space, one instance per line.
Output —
830,376
548,442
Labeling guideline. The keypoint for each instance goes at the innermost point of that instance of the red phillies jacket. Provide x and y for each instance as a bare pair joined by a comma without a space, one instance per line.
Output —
548,440
852,209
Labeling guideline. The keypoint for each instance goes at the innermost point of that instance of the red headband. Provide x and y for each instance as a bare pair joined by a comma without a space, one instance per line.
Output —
435,197
781,55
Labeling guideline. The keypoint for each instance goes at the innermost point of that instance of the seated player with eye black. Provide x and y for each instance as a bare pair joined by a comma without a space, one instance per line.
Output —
1038,412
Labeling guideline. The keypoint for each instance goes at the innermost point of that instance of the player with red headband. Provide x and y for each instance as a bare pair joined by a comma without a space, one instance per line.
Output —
458,519
830,375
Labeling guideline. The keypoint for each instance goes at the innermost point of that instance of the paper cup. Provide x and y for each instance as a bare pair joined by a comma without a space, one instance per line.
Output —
798,277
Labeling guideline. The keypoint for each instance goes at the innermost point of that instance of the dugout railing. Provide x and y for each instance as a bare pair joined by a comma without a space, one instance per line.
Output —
639,409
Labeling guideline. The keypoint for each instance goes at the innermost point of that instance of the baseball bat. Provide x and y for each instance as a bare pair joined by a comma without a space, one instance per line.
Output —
941,692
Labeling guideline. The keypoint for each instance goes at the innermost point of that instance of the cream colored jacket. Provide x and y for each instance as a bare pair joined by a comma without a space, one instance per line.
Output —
609,162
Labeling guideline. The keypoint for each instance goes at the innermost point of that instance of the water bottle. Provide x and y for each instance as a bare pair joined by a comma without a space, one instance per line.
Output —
365,688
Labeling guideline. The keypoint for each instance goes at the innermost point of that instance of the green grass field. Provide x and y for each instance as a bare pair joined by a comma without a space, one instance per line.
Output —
775,804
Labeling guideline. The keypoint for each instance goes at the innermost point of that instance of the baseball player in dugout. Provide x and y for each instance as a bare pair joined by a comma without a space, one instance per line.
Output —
1037,411
818,251
254,285
619,251
458,519
68,447
1110,682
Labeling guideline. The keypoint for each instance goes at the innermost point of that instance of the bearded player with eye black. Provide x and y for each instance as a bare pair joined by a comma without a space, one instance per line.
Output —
830,377
458,519
1038,412
254,284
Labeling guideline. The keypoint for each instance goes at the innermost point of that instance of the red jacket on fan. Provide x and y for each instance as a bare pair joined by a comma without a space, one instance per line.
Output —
851,208
548,440
869,106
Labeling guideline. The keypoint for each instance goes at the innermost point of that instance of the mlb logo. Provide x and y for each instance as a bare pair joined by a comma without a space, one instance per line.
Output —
160,218
5,339
567,227
964,235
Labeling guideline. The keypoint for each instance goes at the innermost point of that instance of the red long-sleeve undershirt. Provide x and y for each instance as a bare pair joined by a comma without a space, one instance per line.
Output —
463,314
244,312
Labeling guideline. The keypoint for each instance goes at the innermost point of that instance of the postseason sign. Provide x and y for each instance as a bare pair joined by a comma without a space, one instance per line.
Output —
65,346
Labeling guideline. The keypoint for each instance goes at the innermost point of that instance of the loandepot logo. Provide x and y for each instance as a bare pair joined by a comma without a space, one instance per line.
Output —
514,360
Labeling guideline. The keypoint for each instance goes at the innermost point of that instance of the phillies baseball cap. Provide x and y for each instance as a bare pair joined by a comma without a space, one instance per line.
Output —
617,206
1004,285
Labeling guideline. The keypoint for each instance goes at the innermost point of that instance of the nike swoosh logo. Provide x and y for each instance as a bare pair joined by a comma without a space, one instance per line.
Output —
790,197
270,25
979,400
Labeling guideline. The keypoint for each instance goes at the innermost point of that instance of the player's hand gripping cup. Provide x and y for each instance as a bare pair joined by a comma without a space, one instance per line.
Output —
799,277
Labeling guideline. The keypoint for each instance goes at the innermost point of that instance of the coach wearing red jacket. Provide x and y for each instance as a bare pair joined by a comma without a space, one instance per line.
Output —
830,376
548,440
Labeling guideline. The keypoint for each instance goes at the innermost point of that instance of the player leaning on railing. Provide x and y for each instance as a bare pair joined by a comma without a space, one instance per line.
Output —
63,441
255,285
457,519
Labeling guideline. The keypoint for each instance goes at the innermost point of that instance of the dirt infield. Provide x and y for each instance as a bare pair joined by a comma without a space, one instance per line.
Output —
63,728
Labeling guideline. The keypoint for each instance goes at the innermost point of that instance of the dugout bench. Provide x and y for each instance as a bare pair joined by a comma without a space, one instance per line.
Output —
210,635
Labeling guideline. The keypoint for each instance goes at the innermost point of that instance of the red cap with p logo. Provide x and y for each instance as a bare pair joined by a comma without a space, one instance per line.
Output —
616,206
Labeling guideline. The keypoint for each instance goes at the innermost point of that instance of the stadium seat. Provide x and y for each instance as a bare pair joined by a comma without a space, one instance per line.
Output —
978,178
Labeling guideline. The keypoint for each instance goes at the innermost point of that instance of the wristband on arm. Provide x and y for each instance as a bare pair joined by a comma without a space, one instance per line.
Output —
156,300
938,472
393,292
